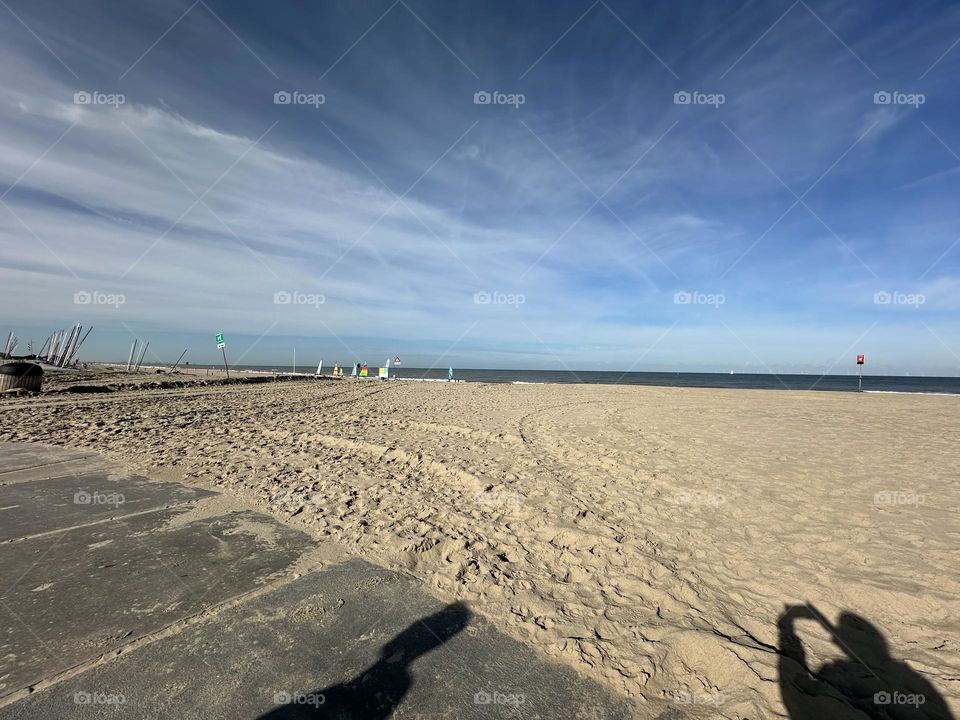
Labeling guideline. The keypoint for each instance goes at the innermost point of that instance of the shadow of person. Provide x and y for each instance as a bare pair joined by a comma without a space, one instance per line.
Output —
375,692
867,683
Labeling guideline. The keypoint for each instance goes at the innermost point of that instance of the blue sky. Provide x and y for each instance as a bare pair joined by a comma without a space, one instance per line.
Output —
786,218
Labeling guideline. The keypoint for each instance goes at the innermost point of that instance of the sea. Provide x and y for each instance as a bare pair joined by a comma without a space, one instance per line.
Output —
828,383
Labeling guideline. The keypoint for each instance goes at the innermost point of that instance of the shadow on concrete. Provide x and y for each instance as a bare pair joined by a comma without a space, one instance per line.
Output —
375,693
868,680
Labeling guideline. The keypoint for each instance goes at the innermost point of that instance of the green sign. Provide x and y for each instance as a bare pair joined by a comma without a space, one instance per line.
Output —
219,338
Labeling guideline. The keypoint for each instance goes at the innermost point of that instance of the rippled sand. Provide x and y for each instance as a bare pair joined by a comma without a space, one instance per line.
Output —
650,537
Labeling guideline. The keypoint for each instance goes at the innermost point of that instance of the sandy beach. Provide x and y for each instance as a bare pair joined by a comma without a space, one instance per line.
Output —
651,538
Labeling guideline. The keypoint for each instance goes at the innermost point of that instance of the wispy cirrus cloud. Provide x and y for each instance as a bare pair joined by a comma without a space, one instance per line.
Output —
398,199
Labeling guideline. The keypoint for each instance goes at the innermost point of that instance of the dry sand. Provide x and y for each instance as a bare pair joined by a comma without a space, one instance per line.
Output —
115,376
650,537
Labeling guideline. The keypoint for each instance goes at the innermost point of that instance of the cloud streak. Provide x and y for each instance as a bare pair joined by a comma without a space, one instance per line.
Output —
397,199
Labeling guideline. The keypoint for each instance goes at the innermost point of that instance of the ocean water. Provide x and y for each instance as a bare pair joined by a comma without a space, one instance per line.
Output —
836,383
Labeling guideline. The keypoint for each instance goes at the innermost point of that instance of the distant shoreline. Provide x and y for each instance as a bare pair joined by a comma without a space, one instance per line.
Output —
755,381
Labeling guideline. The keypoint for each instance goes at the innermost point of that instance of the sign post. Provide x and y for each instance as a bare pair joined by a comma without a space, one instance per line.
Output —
396,367
220,346
860,373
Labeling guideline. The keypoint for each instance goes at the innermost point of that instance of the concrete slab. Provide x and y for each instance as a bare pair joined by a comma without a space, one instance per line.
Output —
176,605
71,597
15,456
68,468
351,641
19,461
32,508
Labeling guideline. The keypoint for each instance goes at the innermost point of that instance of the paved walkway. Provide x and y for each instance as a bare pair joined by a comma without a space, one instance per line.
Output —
121,596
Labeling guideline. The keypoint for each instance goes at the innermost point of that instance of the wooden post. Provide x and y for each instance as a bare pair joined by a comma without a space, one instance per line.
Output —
133,349
72,345
178,360
54,344
61,348
77,349
142,353
62,356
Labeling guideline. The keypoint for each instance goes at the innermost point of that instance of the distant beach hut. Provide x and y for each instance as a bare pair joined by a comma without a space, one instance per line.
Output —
17,375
